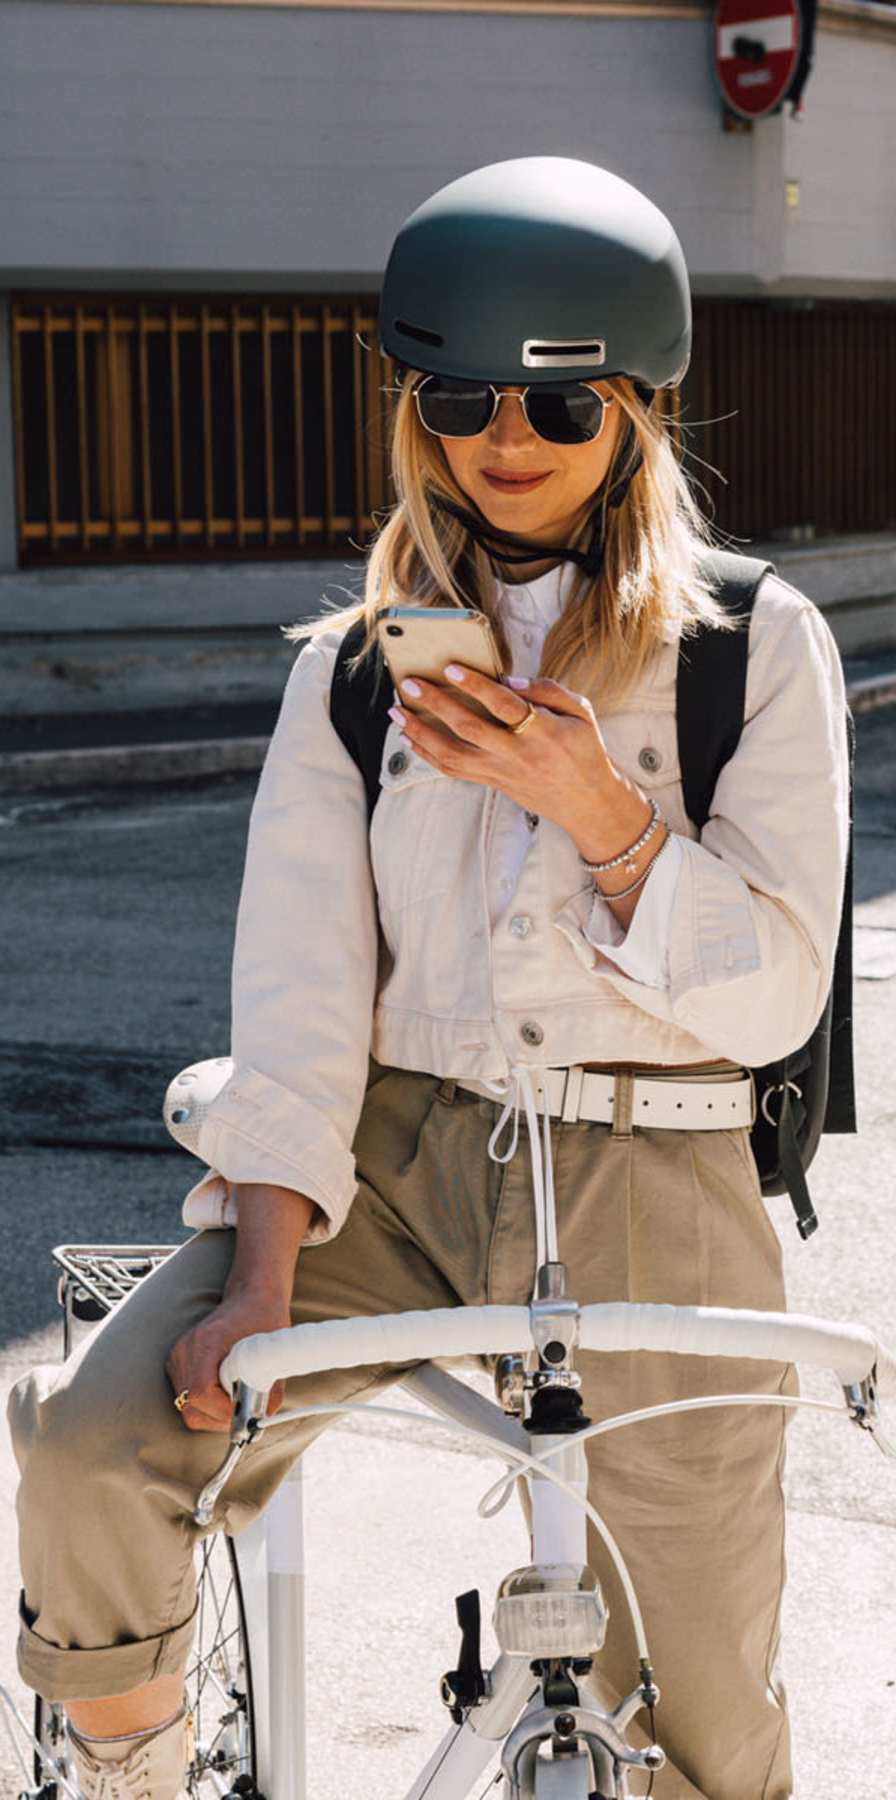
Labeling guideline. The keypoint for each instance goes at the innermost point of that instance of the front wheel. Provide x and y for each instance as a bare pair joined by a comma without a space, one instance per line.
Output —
221,1750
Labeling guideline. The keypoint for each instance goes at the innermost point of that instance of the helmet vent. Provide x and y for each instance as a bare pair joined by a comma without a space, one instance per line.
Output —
418,334
543,353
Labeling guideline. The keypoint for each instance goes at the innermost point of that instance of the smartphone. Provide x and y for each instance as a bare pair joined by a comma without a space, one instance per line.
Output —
420,640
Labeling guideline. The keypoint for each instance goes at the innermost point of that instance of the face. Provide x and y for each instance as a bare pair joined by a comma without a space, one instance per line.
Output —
551,512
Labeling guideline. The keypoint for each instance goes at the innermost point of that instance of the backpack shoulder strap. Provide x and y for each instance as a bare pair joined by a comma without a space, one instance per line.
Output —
359,709
711,682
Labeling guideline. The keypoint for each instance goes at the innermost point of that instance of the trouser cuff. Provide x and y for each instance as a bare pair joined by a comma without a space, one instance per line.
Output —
76,1674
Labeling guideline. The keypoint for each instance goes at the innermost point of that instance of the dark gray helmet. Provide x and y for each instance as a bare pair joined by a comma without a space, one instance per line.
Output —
539,269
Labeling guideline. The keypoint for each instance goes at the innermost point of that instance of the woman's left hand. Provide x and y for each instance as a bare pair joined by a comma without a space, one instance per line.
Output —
558,767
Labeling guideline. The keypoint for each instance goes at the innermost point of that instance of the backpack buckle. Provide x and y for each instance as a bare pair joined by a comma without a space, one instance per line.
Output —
778,1088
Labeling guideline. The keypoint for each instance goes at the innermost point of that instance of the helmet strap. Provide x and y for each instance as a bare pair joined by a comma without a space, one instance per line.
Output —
505,547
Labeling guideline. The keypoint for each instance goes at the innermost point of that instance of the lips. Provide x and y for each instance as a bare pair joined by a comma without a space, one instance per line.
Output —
513,484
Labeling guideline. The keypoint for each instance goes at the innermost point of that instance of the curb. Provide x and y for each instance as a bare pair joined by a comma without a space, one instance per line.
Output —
873,690
124,765
121,765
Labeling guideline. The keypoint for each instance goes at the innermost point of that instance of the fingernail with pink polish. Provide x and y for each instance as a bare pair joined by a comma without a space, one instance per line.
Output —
517,681
396,713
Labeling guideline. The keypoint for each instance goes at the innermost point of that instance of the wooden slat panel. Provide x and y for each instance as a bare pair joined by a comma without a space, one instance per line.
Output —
372,427
327,351
237,379
389,398
358,418
18,413
145,436
298,418
174,376
114,429
888,408
50,428
207,431
268,421
798,402
83,435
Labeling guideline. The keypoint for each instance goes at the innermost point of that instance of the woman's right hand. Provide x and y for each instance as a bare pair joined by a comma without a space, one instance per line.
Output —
197,1356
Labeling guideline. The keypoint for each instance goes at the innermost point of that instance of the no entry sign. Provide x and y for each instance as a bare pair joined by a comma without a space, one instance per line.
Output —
757,48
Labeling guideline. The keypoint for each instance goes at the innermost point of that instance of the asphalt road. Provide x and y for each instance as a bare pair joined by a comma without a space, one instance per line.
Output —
116,935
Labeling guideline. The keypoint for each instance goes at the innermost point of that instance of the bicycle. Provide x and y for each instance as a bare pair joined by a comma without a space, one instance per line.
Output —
555,1743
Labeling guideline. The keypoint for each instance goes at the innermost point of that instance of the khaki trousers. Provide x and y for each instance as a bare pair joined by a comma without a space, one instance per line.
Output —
110,1474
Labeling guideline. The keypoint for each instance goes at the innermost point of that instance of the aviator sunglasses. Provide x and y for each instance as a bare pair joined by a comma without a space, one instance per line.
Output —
562,412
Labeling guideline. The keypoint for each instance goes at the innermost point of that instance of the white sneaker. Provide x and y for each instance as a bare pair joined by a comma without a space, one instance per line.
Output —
152,1768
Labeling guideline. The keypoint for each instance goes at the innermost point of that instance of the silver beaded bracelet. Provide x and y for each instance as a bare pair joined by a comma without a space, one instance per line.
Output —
598,867
642,877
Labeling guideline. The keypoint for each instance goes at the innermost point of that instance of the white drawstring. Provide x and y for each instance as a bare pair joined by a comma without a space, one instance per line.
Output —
520,1081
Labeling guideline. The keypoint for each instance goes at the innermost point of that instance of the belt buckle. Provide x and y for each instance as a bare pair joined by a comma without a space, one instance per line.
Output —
571,1100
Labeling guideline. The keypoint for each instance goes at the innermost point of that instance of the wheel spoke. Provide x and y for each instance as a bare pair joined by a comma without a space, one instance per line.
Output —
202,1670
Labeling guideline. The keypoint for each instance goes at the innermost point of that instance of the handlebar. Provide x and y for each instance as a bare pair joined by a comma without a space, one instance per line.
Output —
851,1351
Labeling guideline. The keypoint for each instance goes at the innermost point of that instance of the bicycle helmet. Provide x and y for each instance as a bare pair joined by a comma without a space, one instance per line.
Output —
543,268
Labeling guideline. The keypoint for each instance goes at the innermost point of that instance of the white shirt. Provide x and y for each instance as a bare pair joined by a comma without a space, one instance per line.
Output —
528,611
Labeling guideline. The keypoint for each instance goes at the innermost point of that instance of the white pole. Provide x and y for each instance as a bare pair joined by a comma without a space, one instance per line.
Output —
284,1525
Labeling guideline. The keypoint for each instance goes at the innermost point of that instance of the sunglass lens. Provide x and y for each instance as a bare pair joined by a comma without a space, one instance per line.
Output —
565,413
454,408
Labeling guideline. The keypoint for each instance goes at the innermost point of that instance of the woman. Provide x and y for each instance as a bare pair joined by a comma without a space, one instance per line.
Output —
521,903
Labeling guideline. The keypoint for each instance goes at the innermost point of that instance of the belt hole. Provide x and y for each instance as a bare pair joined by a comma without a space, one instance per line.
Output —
679,1104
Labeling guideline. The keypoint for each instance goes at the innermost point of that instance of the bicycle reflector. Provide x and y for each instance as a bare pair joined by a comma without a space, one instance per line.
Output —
550,1609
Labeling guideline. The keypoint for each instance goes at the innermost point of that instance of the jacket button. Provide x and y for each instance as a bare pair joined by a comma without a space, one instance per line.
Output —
531,1032
520,925
650,759
397,763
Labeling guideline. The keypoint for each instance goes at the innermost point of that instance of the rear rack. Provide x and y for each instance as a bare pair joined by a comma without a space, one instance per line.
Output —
95,1277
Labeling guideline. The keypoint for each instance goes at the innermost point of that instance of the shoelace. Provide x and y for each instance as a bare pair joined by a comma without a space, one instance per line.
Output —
518,1085
128,1783
134,1779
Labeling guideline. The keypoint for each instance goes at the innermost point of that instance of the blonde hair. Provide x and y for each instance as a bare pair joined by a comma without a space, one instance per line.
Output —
611,623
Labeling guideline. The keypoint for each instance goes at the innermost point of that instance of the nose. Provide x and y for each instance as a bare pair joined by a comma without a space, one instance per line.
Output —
510,424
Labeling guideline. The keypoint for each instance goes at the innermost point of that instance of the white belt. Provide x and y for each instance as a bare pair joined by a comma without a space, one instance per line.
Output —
659,1101
577,1093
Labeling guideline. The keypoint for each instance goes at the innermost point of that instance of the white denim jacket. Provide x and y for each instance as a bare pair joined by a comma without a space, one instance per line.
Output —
398,943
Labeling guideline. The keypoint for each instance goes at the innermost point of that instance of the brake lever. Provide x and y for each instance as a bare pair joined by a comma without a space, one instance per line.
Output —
249,1414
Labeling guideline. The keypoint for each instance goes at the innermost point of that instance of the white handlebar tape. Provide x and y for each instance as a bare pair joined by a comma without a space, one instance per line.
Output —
851,1351
408,1337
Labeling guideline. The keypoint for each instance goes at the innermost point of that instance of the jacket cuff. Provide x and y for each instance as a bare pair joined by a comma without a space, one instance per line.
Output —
641,952
256,1130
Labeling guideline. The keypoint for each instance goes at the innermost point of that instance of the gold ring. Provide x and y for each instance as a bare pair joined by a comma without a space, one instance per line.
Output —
530,715
182,1398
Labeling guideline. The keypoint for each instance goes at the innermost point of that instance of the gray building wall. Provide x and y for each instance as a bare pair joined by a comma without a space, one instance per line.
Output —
184,146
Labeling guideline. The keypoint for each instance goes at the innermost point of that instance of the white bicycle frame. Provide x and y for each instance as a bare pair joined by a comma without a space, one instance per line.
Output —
270,1551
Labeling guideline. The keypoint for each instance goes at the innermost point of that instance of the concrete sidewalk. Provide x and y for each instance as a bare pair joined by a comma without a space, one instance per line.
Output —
165,745
117,675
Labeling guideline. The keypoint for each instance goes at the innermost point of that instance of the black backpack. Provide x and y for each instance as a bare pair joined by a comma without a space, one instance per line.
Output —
813,1089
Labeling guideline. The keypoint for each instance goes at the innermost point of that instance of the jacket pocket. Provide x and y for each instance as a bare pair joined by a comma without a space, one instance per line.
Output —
644,745
414,836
